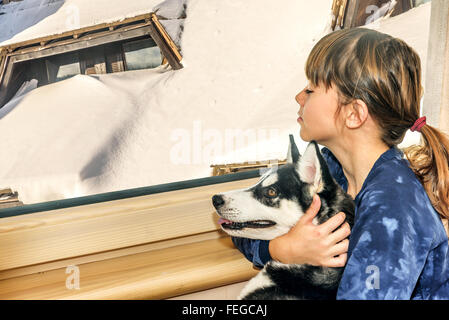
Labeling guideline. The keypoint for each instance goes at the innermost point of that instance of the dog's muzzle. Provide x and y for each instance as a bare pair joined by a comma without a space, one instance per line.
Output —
218,202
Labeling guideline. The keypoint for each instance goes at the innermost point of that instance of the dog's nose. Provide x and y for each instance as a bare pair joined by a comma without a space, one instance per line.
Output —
217,200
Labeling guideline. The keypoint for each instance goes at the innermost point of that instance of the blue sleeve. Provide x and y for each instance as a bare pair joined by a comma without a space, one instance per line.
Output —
257,251
388,246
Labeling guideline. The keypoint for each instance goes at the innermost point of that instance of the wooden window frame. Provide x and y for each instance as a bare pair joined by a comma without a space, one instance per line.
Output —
121,241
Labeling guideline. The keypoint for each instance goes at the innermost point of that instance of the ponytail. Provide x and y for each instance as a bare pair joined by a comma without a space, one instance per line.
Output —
430,163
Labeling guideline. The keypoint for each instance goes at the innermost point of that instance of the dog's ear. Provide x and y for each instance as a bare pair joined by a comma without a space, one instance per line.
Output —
309,167
292,153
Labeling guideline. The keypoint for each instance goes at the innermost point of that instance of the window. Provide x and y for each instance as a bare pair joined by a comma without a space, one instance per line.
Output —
130,54
62,66
142,54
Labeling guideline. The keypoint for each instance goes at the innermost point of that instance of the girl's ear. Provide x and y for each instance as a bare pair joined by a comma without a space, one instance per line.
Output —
356,113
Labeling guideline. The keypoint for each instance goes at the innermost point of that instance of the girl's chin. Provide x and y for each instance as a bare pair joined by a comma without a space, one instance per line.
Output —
302,135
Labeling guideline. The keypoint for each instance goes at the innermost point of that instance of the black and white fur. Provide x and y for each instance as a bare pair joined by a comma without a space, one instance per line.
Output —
273,206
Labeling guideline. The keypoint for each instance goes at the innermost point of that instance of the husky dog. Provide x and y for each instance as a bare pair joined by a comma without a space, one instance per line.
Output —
273,206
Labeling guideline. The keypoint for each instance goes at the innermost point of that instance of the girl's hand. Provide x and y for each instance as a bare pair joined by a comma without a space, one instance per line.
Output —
318,245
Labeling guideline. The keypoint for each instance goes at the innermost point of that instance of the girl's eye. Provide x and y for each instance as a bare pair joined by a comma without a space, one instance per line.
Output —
271,192
308,91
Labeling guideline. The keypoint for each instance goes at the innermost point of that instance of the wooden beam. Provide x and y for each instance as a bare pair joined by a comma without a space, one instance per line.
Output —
115,24
5,191
163,40
338,12
436,97
2,64
81,36
351,14
82,43
5,78
340,19
166,37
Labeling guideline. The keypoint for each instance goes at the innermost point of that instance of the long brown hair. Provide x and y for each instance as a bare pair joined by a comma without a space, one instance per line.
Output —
385,73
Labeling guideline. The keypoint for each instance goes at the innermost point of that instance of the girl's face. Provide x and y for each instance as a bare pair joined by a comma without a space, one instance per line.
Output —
316,113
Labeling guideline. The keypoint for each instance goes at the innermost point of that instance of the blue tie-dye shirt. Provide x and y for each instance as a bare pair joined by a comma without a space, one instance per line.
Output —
398,248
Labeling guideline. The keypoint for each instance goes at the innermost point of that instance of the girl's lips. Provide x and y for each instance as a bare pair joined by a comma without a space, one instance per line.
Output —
299,119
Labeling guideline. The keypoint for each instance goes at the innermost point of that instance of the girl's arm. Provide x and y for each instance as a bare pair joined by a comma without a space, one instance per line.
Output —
256,251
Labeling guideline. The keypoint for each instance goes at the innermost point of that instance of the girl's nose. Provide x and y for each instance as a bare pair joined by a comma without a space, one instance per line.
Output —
301,97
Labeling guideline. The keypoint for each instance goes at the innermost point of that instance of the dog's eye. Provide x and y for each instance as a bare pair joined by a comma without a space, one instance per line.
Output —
271,192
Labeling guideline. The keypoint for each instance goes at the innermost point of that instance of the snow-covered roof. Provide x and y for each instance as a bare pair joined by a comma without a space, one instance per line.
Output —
31,19
232,102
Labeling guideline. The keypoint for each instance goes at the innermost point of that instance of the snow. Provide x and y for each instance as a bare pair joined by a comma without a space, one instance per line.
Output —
232,102
30,19
171,9
23,90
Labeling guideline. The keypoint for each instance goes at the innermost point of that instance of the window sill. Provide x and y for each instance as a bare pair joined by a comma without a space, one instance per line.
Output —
154,246
157,274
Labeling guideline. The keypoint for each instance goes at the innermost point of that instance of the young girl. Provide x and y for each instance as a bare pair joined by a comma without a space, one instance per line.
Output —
363,95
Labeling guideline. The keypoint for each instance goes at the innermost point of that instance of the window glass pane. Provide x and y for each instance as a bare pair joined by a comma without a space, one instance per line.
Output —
68,70
142,54
63,66
420,2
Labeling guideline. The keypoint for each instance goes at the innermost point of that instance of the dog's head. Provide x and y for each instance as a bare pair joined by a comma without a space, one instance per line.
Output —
282,195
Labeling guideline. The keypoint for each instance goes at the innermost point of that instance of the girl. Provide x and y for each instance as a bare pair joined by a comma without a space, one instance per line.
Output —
363,95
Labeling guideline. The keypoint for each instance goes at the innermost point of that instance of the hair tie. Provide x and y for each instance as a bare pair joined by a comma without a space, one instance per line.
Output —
418,124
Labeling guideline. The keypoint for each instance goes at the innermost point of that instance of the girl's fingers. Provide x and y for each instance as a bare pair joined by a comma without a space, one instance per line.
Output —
333,223
312,211
339,248
340,234
338,261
